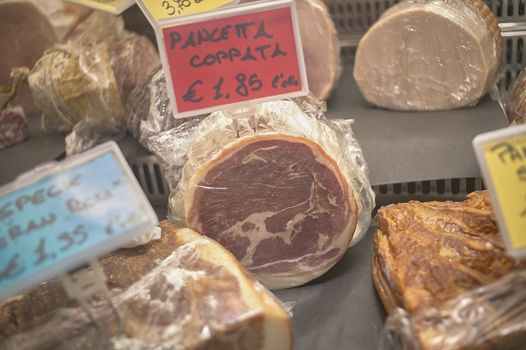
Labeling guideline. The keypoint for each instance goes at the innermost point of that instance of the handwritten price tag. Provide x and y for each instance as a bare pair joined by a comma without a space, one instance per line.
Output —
163,9
55,220
233,56
113,6
502,156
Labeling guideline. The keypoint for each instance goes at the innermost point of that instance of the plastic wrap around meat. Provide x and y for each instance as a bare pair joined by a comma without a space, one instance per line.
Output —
489,317
405,63
284,189
516,106
148,111
182,292
82,85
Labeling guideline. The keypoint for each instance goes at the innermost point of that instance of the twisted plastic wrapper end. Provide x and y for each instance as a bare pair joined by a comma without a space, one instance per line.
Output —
492,316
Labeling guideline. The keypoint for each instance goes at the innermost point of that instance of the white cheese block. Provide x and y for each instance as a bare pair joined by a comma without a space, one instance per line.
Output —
429,55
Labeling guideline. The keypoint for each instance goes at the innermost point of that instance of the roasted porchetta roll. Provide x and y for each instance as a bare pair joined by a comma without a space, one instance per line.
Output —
427,253
183,291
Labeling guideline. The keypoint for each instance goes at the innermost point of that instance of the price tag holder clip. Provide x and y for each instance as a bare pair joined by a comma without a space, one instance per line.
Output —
84,284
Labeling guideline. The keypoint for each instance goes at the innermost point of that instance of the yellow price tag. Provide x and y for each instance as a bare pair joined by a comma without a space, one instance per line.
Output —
164,9
112,6
502,156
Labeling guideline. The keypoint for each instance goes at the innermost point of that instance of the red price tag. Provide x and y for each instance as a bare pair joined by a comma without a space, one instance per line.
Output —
233,56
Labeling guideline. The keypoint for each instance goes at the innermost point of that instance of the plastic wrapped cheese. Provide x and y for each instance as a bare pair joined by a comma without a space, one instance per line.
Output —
181,292
429,55
283,188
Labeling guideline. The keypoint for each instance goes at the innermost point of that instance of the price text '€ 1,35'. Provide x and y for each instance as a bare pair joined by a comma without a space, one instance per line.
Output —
49,247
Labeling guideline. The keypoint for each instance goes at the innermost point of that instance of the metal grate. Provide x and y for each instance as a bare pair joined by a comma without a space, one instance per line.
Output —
359,15
151,178
508,10
447,189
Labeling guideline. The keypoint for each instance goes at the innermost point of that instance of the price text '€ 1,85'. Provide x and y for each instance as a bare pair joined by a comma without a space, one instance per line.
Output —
234,59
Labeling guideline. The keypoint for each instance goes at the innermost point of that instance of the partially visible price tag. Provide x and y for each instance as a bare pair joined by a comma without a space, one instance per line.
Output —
157,10
233,57
502,157
113,6
56,219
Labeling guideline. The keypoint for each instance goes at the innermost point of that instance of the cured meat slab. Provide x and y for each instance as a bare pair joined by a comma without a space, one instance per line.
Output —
13,127
181,292
404,62
428,253
320,47
279,203
25,34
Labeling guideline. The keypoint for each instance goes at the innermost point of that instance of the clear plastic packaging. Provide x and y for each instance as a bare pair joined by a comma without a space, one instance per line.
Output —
516,104
148,111
489,317
404,63
182,292
83,84
288,223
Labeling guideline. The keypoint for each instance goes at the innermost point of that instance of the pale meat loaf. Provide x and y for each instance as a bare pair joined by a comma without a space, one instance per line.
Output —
429,55
320,47
183,291
428,253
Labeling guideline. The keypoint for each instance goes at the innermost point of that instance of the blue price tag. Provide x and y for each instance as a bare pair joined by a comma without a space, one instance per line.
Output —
55,220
